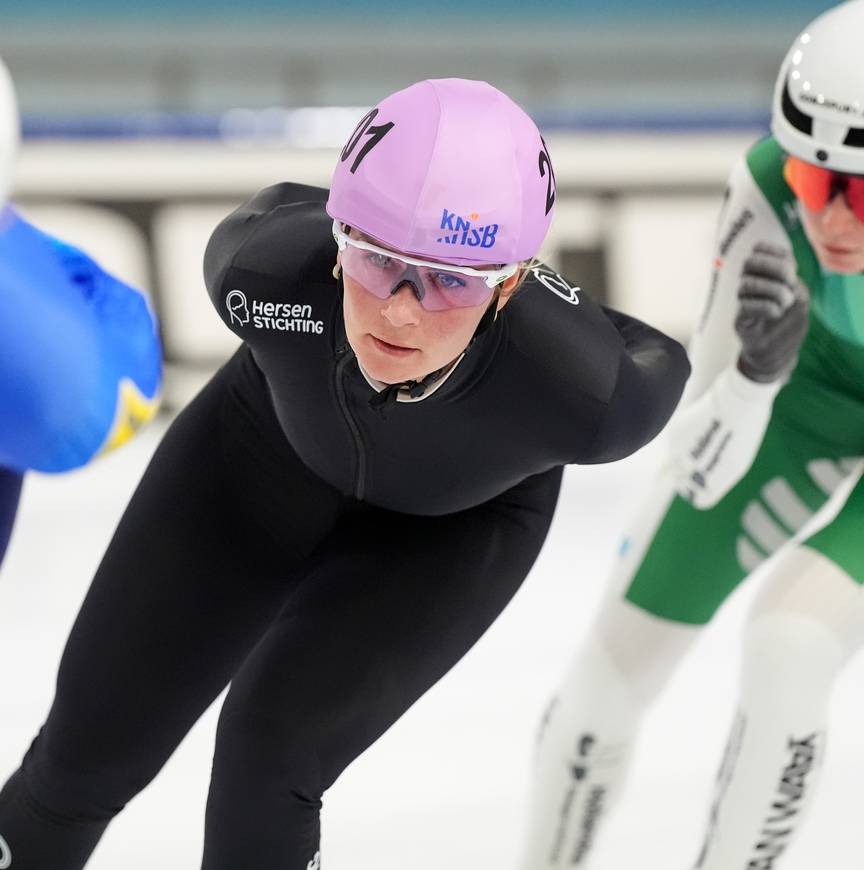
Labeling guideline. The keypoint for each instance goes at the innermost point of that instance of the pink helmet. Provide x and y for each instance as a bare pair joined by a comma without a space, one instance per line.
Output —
449,169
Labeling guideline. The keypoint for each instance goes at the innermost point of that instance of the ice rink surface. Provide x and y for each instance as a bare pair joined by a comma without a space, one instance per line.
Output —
445,787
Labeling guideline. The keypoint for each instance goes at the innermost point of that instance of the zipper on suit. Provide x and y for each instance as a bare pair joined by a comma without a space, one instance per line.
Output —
360,473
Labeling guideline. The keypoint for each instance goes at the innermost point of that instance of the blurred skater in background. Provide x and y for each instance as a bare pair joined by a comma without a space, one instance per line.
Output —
80,360
772,425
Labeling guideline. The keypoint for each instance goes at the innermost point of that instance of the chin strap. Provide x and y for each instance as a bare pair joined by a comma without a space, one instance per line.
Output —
389,396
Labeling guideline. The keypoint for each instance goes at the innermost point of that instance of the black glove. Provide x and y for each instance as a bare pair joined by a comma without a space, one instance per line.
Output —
773,305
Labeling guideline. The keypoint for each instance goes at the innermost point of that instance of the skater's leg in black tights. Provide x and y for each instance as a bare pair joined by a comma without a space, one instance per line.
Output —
393,602
188,585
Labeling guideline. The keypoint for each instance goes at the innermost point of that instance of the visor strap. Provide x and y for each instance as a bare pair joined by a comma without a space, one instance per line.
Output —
488,318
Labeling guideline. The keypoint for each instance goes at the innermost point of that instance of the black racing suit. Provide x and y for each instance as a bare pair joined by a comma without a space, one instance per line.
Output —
329,557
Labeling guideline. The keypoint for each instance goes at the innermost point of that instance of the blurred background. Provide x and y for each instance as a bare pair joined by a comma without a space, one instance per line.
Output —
145,123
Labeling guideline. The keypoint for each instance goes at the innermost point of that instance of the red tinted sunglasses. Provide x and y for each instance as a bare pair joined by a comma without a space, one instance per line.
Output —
816,186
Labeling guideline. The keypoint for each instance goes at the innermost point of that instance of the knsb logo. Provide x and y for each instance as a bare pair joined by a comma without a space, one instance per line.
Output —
238,307
554,282
465,233
5,855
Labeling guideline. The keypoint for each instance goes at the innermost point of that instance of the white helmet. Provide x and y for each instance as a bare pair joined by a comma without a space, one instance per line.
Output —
818,111
9,131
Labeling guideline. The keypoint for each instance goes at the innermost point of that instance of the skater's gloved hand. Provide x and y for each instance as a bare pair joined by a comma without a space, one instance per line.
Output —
773,305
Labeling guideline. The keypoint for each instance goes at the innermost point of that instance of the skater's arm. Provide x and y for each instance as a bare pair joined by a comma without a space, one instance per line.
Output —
652,371
82,358
717,432
746,219
266,236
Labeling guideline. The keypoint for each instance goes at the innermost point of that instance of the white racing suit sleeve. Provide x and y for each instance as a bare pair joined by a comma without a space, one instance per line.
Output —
718,428
714,441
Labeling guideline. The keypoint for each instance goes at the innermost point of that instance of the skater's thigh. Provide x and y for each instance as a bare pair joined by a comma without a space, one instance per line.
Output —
681,563
393,602
188,584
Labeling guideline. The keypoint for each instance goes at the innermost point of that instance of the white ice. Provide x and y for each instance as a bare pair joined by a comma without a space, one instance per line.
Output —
445,787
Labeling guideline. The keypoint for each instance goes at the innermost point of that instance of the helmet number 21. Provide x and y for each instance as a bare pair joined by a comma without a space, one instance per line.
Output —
545,163
376,134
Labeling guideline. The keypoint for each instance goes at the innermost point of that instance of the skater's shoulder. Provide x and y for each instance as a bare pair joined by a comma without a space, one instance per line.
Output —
282,232
558,326
763,164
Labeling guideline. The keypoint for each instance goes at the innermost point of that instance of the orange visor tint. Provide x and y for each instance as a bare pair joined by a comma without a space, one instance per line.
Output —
816,186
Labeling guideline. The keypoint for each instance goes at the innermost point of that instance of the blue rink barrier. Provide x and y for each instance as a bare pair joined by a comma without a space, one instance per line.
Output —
292,127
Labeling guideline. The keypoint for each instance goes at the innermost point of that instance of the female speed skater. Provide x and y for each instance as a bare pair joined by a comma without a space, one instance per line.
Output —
769,429
80,360
353,499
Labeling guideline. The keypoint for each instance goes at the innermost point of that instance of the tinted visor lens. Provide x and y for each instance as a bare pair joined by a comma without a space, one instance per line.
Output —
855,195
811,184
436,288
816,186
